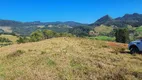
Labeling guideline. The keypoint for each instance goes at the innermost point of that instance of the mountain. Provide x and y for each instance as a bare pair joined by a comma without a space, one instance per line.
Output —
25,28
131,17
74,24
134,20
103,20
69,23
10,23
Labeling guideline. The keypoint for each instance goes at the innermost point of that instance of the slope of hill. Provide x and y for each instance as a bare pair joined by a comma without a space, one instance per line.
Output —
67,59
103,20
10,37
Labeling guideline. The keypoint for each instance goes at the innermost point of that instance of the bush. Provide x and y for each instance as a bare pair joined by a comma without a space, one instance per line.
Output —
23,40
49,34
4,40
37,36
122,35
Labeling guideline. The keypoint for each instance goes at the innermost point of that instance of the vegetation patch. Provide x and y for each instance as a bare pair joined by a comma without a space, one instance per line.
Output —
139,29
137,75
12,38
103,38
50,62
43,52
16,54
75,63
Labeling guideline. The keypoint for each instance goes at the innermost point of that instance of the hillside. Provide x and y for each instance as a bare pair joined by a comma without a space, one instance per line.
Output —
10,37
67,59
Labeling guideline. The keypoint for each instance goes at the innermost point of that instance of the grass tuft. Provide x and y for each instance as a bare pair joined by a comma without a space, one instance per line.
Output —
16,54
50,62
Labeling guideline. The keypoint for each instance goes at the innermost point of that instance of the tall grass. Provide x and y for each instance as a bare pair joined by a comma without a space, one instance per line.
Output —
67,59
103,38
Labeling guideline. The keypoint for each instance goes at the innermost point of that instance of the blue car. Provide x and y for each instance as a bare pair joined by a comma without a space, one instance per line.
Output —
135,46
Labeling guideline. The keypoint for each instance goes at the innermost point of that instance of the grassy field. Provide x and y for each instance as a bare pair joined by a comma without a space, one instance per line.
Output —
103,38
68,59
10,37
139,29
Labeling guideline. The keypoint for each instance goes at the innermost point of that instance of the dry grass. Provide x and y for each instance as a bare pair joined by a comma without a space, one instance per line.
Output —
10,37
67,59
118,47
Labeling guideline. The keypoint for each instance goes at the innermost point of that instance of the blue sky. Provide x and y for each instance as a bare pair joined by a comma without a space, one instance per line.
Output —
85,11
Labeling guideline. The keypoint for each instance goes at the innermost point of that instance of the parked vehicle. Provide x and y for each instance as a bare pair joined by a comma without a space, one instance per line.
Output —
135,46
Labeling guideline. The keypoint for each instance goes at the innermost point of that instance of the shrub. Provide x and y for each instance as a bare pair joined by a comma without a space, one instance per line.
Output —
37,36
4,40
43,52
23,40
122,35
49,34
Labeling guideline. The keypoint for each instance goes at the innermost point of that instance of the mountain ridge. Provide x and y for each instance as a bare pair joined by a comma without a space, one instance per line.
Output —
134,20
26,28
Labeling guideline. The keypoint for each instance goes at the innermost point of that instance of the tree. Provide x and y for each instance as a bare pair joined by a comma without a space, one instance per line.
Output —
23,40
37,36
49,34
122,35
80,31
66,35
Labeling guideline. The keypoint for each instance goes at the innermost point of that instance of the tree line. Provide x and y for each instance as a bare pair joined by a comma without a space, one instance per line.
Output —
39,35
121,35
4,39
